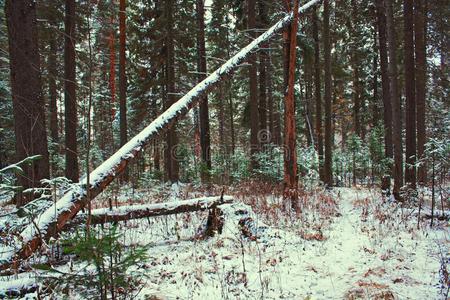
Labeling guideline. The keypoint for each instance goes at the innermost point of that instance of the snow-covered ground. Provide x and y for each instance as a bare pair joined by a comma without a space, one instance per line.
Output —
347,246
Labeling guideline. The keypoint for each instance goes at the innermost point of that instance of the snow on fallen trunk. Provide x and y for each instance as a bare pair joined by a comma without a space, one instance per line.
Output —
53,219
123,213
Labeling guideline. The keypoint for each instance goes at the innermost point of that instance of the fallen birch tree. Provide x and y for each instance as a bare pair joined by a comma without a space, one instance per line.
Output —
55,218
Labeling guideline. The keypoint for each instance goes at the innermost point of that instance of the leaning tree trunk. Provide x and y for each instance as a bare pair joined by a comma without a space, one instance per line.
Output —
49,223
26,90
410,168
70,101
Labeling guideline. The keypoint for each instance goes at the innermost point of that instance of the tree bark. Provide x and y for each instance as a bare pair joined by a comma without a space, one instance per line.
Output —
205,140
410,168
253,88
290,149
317,94
262,112
112,66
387,106
105,215
122,73
28,103
171,162
395,100
421,78
53,74
70,101
328,171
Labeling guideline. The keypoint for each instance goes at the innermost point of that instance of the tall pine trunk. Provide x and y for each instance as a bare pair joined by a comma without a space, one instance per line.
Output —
410,168
387,106
262,112
395,100
171,162
26,90
421,69
70,100
317,94
254,117
53,74
122,73
328,171
290,149
204,110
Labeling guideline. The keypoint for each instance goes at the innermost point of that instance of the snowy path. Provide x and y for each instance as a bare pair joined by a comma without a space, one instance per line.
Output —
359,259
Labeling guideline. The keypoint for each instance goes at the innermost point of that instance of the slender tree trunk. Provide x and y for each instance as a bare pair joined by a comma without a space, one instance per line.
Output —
387,106
122,73
70,100
290,149
318,94
172,167
28,103
204,113
410,168
328,171
254,118
375,101
274,115
53,74
356,93
421,69
112,67
122,78
262,112
395,100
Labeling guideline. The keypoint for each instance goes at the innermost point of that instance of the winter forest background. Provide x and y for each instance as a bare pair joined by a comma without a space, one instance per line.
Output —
315,166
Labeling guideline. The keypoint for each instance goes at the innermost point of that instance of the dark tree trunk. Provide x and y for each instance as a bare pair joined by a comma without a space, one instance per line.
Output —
204,113
328,172
356,93
26,90
171,162
70,101
274,115
387,106
410,168
395,99
290,150
421,69
122,73
53,74
262,112
318,94
254,118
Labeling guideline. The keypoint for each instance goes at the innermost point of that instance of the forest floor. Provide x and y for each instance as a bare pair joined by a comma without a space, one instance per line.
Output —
345,244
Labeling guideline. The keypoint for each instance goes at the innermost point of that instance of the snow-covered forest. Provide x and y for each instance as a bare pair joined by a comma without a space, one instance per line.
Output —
224,149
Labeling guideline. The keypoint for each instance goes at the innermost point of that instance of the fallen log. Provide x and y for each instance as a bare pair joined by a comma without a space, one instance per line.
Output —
55,218
125,213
